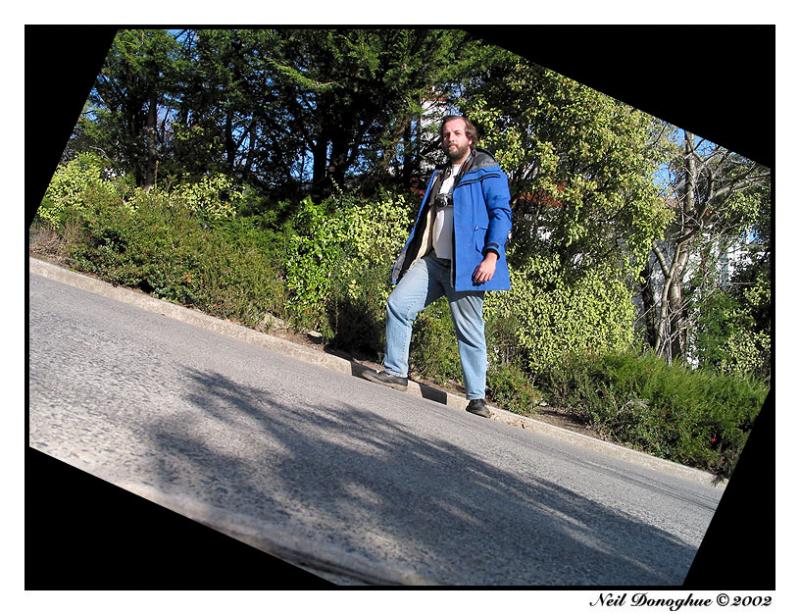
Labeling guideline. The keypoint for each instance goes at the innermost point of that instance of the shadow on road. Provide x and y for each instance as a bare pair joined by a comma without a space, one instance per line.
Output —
431,505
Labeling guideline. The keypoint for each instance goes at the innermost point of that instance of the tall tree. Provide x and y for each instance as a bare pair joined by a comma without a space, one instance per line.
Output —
353,93
233,116
276,108
126,111
717,197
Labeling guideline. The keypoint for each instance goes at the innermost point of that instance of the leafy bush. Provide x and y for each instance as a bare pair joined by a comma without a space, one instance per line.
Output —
76,185
557,316
231,270
502,344
729,336
356,314
510,388
212,198
342,252
434,347
700,418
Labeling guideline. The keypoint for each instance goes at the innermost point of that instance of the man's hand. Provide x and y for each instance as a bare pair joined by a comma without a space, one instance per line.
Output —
484,272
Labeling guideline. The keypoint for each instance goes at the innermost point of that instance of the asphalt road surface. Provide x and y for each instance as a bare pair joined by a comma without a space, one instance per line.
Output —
360,483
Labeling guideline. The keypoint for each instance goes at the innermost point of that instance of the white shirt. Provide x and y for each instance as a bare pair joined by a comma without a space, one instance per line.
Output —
443,224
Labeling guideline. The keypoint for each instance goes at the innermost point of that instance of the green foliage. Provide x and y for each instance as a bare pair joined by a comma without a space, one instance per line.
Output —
337,241
585,160
76,186
139,79
729,337
434,349
741,211
747,353
212,198
232,110
356,313
511,389
501,330
699,418
715,327
558,315
509,381
361,90
231,270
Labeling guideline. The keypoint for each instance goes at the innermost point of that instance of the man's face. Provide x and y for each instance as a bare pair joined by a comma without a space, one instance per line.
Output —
455,142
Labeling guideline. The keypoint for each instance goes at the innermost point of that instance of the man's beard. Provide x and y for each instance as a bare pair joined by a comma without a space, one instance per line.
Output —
458,153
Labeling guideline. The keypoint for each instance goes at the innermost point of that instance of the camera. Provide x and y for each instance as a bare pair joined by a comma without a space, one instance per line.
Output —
443,200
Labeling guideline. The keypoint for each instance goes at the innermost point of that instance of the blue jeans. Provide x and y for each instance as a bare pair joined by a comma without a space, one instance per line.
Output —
425,281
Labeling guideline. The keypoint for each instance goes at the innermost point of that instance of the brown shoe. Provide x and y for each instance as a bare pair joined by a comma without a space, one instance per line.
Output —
381,377
478,406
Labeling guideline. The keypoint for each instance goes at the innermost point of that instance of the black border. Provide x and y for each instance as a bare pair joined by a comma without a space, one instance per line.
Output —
715,81
81,532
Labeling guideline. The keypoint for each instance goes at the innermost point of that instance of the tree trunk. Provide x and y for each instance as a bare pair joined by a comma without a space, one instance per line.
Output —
320,166
230,147
409,155
649,306
663,347
150,141
677,311
251,150
340,150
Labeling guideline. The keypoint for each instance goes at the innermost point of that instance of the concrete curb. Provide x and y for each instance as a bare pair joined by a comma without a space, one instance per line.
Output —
296,351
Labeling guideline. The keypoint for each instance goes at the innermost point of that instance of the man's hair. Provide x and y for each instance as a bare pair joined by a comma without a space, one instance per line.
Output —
470,129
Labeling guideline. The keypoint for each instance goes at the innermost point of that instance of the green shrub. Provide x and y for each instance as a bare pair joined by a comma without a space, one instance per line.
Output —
241,271
728,337
557,316
699,418
231,269
342,251
510,388
75,186
502,343
213,198
434,347
357,314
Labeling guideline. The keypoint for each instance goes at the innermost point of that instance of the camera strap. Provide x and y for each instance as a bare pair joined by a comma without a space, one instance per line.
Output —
446,175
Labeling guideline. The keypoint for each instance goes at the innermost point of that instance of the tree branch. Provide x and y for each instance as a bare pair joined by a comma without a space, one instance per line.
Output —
661,260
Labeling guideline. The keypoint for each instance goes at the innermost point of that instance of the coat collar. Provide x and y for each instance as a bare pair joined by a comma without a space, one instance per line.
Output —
477,159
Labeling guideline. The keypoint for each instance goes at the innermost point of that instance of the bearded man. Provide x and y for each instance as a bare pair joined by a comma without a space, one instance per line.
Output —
456,249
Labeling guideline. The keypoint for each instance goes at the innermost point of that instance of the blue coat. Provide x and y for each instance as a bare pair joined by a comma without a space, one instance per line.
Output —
481,222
